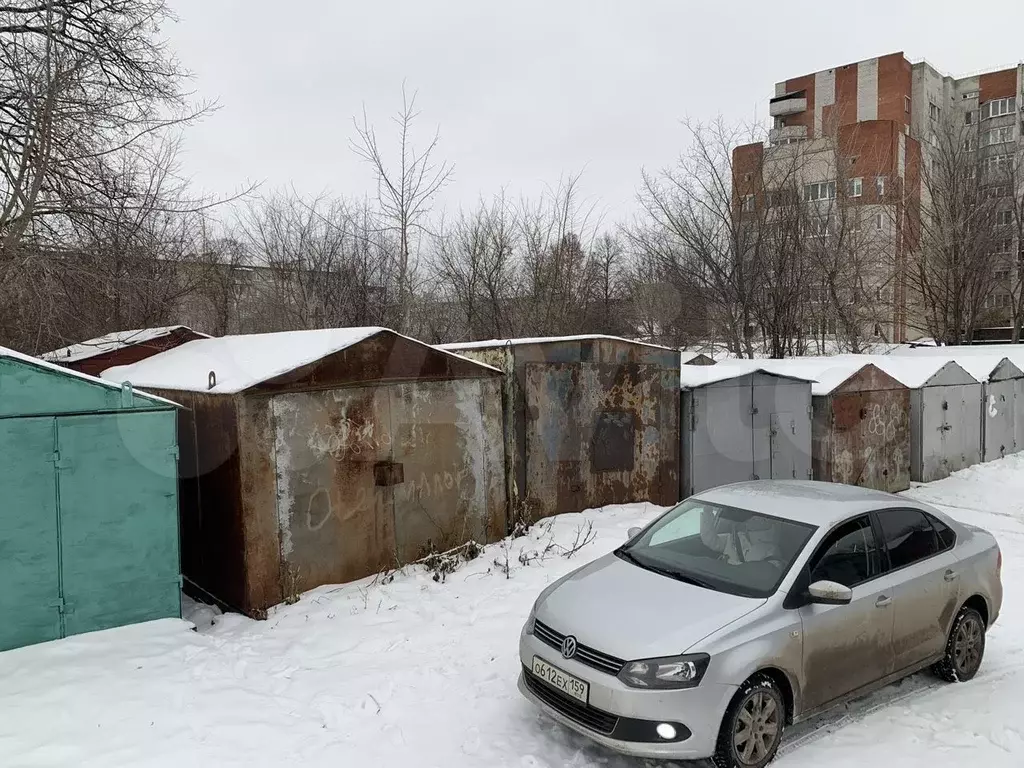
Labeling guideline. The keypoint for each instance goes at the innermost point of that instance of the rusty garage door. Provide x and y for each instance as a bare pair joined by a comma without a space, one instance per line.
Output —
599,434
372,478
870,434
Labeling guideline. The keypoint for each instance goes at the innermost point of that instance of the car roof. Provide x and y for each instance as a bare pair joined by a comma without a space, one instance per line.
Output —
804,501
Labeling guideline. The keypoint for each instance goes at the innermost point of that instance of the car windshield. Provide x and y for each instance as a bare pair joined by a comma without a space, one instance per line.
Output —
721,548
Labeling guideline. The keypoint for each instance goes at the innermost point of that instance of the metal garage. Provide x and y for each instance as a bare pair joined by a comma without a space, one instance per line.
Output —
1000,380
121,348
742,422
861,429
89,504
320,457
945,414
589,421
1000,369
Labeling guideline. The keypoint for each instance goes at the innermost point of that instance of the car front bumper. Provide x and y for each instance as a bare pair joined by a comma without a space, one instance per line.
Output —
698,711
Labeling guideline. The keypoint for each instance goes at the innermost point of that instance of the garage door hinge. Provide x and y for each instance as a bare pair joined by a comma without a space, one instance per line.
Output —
58,462
174,451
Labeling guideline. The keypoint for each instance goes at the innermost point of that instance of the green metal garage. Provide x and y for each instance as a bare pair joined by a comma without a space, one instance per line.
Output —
88,504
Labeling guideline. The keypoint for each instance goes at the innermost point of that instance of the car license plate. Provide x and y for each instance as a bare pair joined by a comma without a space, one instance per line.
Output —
556,678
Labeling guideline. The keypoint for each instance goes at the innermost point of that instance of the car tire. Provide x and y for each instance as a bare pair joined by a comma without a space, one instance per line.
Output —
965,648
759,710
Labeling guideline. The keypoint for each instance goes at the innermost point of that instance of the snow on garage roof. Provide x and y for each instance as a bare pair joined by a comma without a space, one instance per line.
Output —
39,363
692,376
825,373
916,371
539,340
979,361
111,343
241,362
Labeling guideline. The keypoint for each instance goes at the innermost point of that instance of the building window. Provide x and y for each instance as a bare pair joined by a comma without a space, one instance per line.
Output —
1005,245
856,187
906,104
996,191
970,95
1003,135
1004,218
997,163
820,226
969,117
880,186
998,108
970,144
934,112
879,222
747,177
825,190
1002,274
748,204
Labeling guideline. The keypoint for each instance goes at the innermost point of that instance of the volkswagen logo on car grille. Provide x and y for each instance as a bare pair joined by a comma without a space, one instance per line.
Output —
569,647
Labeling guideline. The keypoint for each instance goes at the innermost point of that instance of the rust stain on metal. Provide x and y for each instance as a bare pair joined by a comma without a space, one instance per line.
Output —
372,478
308,480
862,433
599,433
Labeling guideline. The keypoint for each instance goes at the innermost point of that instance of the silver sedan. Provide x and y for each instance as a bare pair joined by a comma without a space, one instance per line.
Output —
750,607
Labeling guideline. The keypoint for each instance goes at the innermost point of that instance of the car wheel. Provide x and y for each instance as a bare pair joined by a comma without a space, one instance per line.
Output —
752,727
964,648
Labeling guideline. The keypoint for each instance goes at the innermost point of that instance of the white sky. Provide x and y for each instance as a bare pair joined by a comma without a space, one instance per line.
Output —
526,91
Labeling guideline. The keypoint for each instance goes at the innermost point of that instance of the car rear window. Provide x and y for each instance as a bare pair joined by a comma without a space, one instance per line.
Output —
947,538
909,536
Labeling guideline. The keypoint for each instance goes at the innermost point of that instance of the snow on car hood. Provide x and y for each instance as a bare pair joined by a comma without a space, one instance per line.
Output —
626,611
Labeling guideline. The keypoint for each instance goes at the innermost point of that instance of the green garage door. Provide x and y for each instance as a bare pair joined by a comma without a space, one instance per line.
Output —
29,570
118,519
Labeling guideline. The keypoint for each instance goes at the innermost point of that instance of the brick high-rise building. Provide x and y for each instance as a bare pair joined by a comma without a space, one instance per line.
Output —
865,132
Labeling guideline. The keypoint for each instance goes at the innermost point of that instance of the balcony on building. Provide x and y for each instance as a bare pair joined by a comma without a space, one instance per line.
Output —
788,134
789,104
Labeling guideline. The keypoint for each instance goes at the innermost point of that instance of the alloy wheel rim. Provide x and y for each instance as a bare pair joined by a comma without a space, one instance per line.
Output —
967,645
757,728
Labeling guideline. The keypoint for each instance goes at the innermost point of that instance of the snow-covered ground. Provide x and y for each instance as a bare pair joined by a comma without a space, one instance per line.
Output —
422,673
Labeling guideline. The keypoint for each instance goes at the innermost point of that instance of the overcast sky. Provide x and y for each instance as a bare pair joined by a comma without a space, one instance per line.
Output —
524,91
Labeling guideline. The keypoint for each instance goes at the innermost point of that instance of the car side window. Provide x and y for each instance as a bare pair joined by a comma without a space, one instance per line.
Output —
947,538
848,556
909,537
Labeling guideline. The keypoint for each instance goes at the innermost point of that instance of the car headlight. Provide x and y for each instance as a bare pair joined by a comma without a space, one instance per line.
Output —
530,620
671,672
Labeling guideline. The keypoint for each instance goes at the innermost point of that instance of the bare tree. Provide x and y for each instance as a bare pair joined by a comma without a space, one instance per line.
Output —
608,285
557,233
951,234
327,262
405,190
707,223
81,81
476,263
1006,302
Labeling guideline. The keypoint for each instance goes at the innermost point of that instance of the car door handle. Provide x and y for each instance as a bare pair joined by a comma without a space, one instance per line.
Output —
950,575
883,601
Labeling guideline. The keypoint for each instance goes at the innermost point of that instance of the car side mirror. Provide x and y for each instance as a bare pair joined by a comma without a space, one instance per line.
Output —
829,593
633,532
